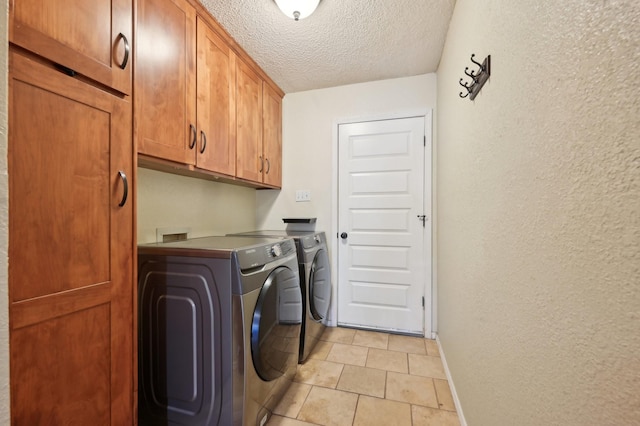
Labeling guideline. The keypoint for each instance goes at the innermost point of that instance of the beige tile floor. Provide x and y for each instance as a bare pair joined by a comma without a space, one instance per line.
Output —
357,377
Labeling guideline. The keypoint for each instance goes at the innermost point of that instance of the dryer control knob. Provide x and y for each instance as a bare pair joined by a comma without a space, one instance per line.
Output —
276,250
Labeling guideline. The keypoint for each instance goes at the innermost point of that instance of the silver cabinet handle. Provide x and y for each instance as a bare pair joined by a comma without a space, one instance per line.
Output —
268,165
261,164
126,188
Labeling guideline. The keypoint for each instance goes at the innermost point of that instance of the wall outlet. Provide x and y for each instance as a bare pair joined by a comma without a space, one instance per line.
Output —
303,195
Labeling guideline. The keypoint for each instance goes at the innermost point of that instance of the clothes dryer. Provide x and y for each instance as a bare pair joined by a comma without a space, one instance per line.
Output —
315,279
219,328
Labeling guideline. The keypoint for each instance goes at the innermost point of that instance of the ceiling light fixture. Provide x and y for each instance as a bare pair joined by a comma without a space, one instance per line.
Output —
297,9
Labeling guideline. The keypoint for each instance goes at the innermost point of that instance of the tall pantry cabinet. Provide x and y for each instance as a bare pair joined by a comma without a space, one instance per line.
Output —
70,165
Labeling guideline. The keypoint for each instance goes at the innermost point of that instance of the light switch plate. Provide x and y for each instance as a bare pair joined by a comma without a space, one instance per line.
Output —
303,195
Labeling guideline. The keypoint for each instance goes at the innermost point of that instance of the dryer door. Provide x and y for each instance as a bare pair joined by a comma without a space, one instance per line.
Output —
320,286
275,329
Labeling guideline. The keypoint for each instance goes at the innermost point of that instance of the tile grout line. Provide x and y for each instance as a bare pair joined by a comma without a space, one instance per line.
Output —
355,411
407,354
435,392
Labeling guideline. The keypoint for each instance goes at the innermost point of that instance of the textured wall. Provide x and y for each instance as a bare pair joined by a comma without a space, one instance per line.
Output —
309,126
4,218
539,213
208,208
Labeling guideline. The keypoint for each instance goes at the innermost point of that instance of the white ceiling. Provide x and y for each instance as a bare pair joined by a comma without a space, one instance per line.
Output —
343,42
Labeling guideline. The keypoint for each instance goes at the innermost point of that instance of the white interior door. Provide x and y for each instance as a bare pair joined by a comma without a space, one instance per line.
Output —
381,244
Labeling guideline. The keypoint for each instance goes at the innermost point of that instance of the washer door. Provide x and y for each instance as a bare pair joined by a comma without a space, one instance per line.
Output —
275,330
320,286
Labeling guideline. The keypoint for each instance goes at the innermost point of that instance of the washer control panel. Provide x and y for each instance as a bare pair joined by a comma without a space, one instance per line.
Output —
261,255
281,248
313,240
276,250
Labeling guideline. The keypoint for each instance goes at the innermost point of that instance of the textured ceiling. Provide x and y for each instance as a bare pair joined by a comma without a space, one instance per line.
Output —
343,42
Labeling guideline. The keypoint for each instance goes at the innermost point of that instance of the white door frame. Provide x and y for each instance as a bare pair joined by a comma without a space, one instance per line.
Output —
429,290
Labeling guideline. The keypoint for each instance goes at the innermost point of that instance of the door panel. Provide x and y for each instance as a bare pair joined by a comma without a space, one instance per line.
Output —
70,275
79,35
272,136
250,162
165,79
216,103
381,268
57,383
380,220
49,176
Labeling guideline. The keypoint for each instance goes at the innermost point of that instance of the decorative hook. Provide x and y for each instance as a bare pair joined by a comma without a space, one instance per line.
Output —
477,63
479,77
471,74
465,85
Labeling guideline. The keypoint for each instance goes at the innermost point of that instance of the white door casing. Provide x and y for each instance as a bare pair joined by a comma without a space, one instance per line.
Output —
382,261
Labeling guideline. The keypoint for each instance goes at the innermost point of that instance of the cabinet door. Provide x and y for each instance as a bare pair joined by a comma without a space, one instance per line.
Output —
71,226
216,103
165,80
250,162
272,136
92,38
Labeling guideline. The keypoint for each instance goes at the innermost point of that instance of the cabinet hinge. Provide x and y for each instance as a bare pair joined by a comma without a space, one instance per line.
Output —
422,302
424,140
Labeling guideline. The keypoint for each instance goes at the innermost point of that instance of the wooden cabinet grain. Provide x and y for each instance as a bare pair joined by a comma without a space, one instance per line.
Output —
250,162
259,115
91,38
272,136
200,108
184,79
216,150
70,162
165,79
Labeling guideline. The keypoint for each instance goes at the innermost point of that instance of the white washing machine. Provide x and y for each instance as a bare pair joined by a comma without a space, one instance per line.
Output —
219,329
315,281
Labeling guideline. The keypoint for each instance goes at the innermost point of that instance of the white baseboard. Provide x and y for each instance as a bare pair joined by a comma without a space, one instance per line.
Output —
454,394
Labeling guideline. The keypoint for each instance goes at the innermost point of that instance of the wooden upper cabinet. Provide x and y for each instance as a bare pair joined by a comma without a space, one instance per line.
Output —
272,136
250,162
92,38
165,80
71,282
216,147
200,103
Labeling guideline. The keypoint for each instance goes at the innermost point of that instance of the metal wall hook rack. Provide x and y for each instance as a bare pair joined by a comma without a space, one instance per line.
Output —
471,74
479,77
